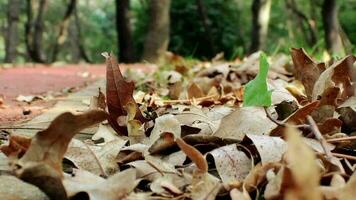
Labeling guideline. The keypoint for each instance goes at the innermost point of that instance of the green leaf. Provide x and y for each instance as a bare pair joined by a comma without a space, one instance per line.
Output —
256,92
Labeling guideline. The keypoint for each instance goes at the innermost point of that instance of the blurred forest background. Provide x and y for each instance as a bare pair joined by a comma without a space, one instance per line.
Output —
72,31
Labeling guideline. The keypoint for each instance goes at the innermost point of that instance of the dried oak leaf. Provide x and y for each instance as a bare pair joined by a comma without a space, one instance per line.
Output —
118,94
306,70
338,75
49,146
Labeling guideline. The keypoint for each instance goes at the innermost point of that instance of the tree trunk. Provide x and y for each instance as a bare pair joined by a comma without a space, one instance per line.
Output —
34,31
126,50
63,29
333,38
157,38
81,48
309,31
12,38
205,20
260,19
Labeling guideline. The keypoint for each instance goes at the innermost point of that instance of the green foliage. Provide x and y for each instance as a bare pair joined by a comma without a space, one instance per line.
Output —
256,92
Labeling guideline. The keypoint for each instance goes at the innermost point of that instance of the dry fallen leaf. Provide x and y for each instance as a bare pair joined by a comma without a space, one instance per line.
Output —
305,174
270,149
97,159
246,120
306,70
339,75
49,146
194,155
231,164
119,93
117,186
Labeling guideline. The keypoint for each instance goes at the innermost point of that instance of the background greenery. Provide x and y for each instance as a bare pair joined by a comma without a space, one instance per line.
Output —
229,20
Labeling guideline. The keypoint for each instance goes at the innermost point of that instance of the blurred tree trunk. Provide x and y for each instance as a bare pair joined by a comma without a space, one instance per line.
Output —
12,38
63,29
81,48
331,24
34,31
157,38
125,44
260,19
205,20
310,30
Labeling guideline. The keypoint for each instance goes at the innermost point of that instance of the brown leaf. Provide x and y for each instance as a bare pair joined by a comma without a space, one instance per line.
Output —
49,145
194,91
98,102
118,94
305,174
245,120
306,70
298,117
194,155
17,146
339,75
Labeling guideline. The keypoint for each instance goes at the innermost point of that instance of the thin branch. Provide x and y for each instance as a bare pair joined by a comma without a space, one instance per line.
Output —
344,156
279,123
97,160
342,139
315,130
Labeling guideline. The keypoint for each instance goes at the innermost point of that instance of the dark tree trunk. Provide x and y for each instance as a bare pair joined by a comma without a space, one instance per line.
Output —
63,29
157,38
260,19
12,38
34,31
81,48
205,20
126,50
333,39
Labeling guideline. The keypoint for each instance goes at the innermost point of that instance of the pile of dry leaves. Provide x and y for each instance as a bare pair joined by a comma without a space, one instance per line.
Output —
184,133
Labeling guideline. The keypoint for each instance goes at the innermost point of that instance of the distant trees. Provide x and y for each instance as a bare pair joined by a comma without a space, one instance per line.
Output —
63,28
72,30
34,30
157,38
260,19
12,37
123,27
332,28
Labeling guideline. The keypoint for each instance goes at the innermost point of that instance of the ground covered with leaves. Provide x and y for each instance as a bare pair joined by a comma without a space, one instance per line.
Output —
280,127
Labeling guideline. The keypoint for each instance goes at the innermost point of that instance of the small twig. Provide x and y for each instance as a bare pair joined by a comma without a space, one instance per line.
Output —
155,167
315,130
189,100
341,139
279,123
344,156
97,160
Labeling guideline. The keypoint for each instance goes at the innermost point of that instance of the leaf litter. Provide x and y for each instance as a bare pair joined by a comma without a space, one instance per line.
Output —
260,128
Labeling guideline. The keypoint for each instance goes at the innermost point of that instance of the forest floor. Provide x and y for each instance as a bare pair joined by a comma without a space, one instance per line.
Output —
257,128
29,90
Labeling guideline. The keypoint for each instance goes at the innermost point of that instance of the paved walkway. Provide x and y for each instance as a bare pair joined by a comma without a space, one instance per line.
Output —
45,80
